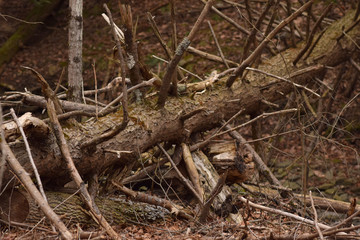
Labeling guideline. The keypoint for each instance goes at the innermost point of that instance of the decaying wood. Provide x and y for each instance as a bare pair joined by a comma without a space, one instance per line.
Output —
33,127
75,176
329,204
320,202
209,179
154,200
149,126
187,183
225,159
181,48
31,188
32,99
191,169
259,162
216,190
116,210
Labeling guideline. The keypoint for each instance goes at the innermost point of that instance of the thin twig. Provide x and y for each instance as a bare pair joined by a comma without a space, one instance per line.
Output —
210,56
169,53
308,20
117,29
313,45
18,19
60,80
28,150
287,80
342,110
34,192
263,168
228,19
348,29
130,46
312,34
2,160
203,143
357,11
174,44
218,45
311,236
216,190
95,80
248,11
120,97
345,221
315,217
255,27
123,69
292,28
179,53
75,175
239,70
263,115
46,90
181,68
185,181
280,212
143,197
67,115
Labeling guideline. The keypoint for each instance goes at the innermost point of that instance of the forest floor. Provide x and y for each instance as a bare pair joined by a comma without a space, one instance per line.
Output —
333,168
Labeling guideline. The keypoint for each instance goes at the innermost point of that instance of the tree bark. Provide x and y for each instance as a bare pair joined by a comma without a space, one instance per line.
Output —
70,208
75,79
149,126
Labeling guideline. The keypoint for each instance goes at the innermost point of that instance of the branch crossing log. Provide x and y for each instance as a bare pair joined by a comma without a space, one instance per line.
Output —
149,126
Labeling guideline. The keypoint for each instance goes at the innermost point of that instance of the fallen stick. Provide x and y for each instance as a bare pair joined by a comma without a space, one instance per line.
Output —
95,213
34,192
143,197
259,162
277,211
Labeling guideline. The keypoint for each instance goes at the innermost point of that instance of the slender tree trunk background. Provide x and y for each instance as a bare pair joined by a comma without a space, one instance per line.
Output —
75,79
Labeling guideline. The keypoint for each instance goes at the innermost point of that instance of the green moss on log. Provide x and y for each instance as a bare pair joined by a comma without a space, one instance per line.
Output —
116,210
39,13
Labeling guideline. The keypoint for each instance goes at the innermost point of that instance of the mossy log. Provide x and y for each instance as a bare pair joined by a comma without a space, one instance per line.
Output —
116,210
41,10
150,125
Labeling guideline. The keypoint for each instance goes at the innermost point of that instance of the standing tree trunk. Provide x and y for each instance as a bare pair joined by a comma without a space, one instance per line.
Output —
75,80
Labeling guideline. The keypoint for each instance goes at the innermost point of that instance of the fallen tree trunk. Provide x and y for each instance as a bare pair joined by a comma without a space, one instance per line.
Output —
70,207
149,126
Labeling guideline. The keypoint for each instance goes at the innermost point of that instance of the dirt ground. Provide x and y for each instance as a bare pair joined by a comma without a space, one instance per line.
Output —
333,168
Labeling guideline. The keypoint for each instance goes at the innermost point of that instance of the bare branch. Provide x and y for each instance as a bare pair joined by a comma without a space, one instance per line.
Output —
311,36
239,70
218,45
34,192
179,53
38,179
185,181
